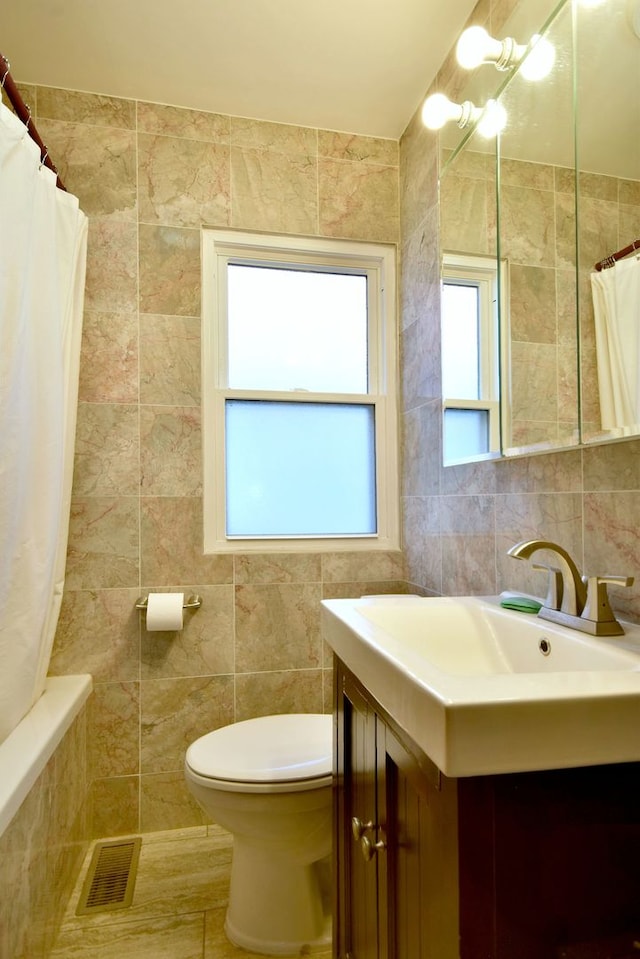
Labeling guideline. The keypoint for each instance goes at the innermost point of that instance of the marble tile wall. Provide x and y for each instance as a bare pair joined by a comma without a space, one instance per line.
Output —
459,521
42,850
148,177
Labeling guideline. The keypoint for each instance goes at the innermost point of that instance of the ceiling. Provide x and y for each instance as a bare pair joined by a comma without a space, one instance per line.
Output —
348,65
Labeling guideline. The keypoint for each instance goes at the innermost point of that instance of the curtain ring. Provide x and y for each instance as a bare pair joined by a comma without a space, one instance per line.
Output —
6,72
43,159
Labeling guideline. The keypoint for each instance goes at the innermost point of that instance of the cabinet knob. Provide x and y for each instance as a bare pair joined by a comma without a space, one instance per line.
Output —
359,828
370,848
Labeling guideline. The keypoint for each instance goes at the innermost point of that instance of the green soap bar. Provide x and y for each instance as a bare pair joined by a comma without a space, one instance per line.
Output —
522,603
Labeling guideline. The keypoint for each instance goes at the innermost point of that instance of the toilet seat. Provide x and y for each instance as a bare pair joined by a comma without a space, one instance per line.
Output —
282,753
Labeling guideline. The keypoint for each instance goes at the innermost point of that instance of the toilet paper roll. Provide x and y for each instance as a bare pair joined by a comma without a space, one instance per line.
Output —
164,611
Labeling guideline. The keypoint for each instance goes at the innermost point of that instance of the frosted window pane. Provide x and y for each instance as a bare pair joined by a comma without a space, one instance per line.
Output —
297,329
460,361
466,433
299,469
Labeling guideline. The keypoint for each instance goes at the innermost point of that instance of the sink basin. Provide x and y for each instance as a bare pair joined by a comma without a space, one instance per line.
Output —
479,639
482,689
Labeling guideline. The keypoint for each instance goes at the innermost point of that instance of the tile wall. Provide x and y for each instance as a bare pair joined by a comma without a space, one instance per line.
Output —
148,177
42,850
459,521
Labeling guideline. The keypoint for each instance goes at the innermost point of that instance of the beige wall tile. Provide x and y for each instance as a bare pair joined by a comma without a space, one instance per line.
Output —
277,568
90,108
556,517
169,270
166,803
115,807
273,137
113,730
203,647
286,691
175,712
98,632
342,567
347,146
79,150
613,467
466,224
107,455
534,246
179,122
183,182
170,360
103,548
171,548
468,544
358,200
112,274
109,358
612,545
170,451
277,627
273,191
598,230
532,304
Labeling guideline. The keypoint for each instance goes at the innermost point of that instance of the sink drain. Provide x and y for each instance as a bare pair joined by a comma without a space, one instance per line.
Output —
544,646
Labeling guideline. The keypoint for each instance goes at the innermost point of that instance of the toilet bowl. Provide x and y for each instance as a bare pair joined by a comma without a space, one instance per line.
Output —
268,781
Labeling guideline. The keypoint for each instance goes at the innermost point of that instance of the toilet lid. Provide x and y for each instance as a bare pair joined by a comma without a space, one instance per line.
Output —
284,748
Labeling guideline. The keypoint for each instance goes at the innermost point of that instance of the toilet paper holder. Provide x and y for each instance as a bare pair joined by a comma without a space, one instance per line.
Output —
192,601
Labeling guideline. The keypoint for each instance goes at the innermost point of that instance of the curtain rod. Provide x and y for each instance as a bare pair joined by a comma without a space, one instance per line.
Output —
614,257
23,112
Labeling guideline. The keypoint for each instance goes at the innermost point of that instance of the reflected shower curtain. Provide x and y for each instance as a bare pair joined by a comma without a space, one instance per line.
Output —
616,302
43,236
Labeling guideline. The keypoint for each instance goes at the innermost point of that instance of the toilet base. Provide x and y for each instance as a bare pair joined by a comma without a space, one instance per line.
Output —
277,907
279,948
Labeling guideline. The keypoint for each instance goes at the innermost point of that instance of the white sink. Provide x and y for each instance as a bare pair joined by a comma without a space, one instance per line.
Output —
484,689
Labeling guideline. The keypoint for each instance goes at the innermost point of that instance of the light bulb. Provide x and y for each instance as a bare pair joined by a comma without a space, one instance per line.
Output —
475,46
538,62
435,111
493,119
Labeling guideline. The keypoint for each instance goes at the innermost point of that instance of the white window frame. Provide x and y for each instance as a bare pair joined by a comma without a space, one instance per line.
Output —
481,272
221,247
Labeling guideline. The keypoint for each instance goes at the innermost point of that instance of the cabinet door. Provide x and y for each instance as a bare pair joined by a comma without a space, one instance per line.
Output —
417,810
357,931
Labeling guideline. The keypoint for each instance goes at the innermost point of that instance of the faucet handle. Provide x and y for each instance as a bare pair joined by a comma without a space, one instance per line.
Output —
555,587
597,607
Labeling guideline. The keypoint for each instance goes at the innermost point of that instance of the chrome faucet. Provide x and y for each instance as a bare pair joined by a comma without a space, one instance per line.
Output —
579,602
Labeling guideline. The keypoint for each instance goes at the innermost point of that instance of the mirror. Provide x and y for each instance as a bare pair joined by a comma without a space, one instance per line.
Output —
536,216
608,150
549,383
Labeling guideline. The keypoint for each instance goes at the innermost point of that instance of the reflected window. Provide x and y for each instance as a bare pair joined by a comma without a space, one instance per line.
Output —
470,367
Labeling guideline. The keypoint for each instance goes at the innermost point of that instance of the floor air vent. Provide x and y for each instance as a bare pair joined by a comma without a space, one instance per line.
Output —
111,876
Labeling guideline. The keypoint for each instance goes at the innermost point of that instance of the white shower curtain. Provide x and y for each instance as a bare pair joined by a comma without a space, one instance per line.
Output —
43,237
616,302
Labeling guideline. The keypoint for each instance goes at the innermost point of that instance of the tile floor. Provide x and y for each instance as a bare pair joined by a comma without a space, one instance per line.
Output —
178,906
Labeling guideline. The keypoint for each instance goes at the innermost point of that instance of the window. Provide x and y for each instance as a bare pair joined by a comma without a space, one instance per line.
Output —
470,369
299,394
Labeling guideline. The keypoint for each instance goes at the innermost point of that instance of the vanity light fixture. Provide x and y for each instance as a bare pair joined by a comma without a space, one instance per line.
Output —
476,47
439,110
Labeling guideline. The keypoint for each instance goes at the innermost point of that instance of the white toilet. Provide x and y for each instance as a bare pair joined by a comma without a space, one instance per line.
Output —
268,781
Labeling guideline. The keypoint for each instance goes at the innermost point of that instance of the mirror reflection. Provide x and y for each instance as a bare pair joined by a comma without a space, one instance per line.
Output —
536,215
608,149
569,373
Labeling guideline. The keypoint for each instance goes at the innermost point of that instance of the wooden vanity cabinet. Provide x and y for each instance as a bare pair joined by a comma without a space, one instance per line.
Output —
542,865
395,840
